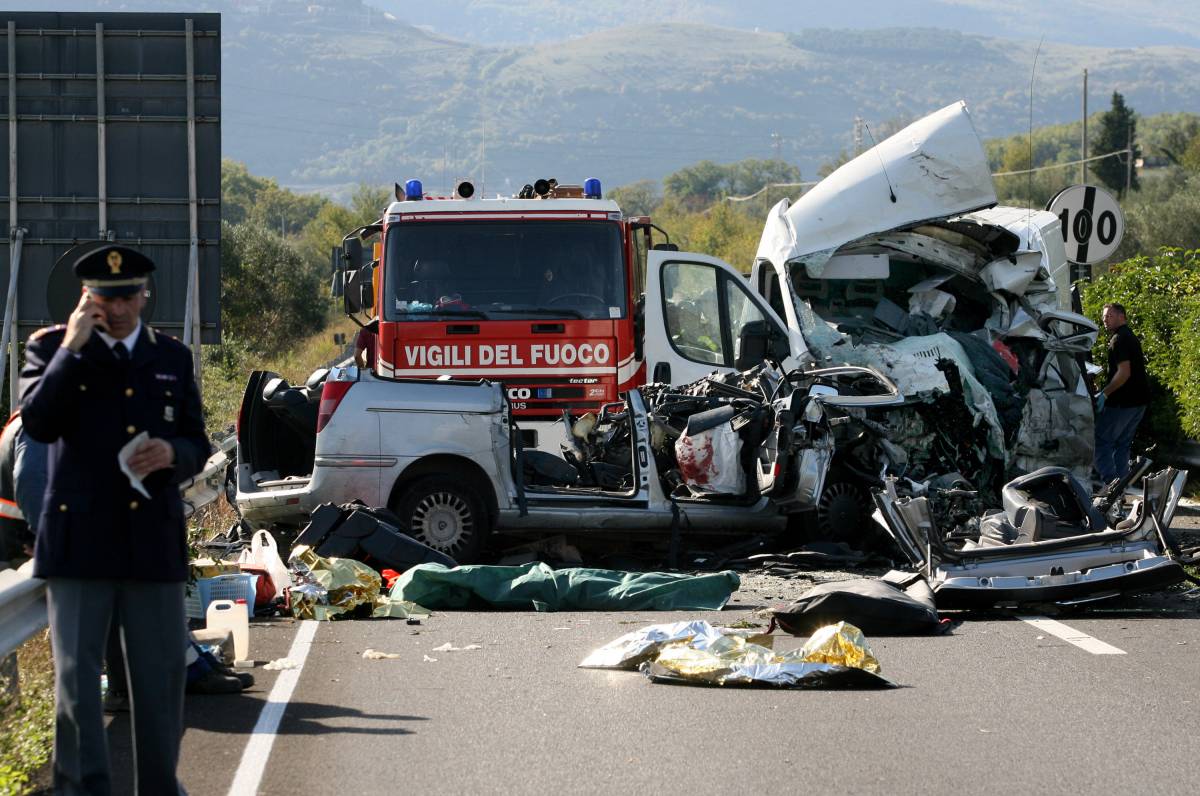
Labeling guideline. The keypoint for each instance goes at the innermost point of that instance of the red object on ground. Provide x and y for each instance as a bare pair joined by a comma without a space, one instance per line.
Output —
390,576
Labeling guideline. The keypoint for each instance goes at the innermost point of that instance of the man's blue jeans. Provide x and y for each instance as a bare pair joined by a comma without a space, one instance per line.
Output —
1115,427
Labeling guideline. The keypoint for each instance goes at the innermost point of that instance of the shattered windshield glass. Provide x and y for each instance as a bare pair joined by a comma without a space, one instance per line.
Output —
505,270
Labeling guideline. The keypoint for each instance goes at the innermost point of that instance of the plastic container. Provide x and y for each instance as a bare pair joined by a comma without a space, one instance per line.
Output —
222,587
234,617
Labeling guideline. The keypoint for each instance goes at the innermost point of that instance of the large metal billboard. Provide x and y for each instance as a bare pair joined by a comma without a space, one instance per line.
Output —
111,123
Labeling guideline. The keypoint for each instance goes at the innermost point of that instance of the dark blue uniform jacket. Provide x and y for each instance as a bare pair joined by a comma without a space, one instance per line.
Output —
88,405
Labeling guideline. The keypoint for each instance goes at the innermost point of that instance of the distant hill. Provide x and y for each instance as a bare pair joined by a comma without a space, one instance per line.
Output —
1105,23
329,93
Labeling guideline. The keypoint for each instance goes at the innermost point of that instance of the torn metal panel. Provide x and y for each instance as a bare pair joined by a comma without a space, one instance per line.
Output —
935,167
1038,230
1057,428
1014,275
1047,544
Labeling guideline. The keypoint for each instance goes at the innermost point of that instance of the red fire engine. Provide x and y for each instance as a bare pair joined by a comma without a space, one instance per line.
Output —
539,291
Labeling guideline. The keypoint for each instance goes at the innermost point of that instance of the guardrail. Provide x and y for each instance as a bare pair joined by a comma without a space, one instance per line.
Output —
22,607
23,597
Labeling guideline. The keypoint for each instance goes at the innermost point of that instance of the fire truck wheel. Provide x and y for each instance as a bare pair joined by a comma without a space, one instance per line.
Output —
446,514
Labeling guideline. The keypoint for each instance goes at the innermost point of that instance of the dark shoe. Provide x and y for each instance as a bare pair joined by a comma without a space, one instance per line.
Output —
246,678
216,663
213,682
116,702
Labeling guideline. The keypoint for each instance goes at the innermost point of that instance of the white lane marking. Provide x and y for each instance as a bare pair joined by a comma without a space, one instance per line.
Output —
262,737
1072,636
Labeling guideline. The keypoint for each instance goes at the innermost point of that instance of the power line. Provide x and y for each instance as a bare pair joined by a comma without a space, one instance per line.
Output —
1059,165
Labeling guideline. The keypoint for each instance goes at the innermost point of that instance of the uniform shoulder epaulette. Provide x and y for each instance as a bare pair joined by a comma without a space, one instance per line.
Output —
40,333
151,335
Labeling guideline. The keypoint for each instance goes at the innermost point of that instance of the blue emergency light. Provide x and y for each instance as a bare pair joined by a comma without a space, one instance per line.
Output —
591,188
413,190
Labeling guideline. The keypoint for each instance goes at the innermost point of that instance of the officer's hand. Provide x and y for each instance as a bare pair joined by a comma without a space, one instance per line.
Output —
153,454
86,316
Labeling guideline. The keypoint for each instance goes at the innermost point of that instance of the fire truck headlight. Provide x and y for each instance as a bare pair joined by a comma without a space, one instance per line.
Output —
591,188
413,191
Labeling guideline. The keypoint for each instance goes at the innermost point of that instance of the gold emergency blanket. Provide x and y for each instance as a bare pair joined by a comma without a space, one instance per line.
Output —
331,588
326,588
836,656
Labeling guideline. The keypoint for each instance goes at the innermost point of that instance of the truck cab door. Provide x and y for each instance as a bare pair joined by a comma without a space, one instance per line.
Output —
701,316
774,287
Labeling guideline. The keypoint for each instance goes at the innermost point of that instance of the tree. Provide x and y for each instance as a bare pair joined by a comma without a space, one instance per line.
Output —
638,198
261,200
1118,129
269,298
700,185
832,164
1190,159
333,221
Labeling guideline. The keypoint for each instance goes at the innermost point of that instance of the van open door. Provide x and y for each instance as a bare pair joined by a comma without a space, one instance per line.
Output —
701,316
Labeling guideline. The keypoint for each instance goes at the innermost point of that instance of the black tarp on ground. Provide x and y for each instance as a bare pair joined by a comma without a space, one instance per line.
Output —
876,607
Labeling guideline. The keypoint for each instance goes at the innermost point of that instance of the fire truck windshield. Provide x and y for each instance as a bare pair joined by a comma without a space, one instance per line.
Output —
504,270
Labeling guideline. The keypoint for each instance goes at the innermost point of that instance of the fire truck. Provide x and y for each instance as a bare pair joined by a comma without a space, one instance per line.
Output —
545,292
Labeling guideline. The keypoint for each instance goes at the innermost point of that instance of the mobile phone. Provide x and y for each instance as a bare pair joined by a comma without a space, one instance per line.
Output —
97,314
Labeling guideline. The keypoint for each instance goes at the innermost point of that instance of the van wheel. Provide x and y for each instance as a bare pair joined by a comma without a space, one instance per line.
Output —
446,514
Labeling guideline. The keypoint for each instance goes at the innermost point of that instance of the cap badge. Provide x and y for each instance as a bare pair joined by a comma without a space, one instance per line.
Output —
114,262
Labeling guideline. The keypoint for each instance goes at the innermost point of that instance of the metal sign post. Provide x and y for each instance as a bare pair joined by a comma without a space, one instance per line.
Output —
16,235
191,331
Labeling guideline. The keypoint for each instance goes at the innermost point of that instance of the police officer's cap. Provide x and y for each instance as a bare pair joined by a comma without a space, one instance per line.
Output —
110,270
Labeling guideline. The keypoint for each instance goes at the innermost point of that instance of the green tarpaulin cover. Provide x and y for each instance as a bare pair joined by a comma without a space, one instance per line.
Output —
537,586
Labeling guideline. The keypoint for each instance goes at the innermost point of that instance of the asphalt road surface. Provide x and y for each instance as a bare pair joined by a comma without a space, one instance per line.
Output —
1002,704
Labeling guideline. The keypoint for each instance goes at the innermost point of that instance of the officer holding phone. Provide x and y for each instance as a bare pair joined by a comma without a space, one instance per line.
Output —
88,388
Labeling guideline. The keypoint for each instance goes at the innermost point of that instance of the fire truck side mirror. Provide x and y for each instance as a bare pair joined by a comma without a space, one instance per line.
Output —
352,252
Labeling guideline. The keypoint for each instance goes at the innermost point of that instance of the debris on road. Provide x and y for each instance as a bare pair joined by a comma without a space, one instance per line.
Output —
879,607
1048,543
281,664
376,655
542,588
697,653
336,588
448,647
325,588
356,531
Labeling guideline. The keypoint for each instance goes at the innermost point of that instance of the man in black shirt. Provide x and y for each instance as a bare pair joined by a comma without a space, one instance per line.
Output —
1122,402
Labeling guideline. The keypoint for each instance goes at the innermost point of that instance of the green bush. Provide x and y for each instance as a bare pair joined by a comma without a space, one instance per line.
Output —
270,294
1161,295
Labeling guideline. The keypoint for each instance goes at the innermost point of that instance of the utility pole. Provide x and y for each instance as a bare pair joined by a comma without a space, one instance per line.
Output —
1128,160
1083,167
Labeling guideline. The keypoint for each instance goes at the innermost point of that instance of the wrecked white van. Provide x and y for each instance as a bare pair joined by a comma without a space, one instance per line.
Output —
899,261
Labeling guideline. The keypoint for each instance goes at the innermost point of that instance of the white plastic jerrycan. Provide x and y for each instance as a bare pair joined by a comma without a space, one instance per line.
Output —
234,617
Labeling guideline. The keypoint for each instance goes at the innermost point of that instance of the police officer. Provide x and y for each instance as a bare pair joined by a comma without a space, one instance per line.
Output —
90,387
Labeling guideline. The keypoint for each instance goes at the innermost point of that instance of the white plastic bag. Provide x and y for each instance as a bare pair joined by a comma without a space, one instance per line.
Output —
710,461
263,552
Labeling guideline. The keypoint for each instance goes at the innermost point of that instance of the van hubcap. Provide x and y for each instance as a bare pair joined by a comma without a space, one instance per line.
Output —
443,520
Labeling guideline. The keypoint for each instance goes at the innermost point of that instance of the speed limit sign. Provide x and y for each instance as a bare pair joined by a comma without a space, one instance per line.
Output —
1092,224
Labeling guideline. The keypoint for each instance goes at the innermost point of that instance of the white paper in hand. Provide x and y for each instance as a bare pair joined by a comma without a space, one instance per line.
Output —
123,459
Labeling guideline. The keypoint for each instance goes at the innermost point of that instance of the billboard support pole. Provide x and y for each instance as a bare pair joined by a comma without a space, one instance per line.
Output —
8,339
101,137
15,234
191,331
